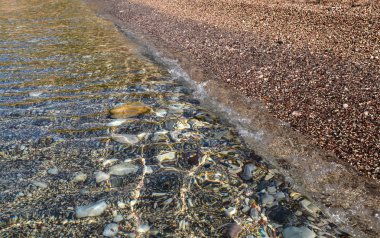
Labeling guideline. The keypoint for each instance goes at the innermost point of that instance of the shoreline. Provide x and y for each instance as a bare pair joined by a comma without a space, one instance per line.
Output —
283,147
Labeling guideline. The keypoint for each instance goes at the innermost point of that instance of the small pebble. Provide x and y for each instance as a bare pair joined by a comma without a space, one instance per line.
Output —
80,177
143,228
101,176
230,211
53,171
118,218
111,230
91,210
40,184
298,232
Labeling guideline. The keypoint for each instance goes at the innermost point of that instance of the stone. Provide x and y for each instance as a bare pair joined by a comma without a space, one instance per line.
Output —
35,94
101,176
111,230
126,139
248,171
40,184
271,190
121,204
309,207
279,196
91,210
80,177
143,228
123,169
254,214
298,232
167,156
118,218
116,122
130,110
232,230
109,161
53,171
230,211
267,199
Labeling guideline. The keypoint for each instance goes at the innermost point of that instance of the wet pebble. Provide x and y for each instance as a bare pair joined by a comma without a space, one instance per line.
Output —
40,184
126,139
248,171
143,228
118,218
53,171
101,176
111,230
267,199
91,210
123,169
233,230
298,232
230,211
79,177
116,122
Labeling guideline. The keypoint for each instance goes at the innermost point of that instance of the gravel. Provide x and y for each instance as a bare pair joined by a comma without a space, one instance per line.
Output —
314,64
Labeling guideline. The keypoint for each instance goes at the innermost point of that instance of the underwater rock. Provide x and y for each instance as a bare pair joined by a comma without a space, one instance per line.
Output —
267,199
101,176
143,228
118,218
111,230
167,156
123,169
91,210
230,211
232,230
248,171
298,232
40,184
126,139
116,122
309,207
35,94
80,177
130,110
53,171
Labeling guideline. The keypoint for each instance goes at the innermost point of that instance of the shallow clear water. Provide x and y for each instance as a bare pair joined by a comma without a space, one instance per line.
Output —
170,167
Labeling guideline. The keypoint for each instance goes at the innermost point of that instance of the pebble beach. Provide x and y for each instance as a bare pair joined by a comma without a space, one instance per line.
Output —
314,64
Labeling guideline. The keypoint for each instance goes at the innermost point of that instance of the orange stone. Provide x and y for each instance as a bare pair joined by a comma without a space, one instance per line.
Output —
129,110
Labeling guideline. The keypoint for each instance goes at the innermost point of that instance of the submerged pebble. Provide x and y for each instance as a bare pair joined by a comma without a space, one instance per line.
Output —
79,177
101,176
91,210
40,184
298,232
116,122
126,139
111,230
53,171
143,228
130,110
123,169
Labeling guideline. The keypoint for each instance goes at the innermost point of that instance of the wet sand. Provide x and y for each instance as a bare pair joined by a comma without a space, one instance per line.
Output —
313,65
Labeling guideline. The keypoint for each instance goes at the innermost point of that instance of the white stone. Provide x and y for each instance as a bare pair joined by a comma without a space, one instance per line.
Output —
35,94
298,232
116,122
53,171
101,176
230,211
121,205
126,139
123,169
40,184
143,228
80,177
161,113
309,207
111,230
167,156
118,218
109,161
91,210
